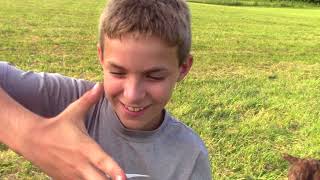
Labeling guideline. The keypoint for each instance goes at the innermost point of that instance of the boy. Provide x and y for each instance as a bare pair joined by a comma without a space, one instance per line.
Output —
144,50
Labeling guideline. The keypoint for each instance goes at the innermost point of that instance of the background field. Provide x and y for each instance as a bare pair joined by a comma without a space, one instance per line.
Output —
253,92
264,3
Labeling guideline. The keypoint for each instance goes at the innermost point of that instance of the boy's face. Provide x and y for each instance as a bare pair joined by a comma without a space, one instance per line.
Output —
139,77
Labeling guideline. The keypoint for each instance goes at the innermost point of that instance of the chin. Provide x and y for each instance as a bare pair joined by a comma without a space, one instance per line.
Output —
134,125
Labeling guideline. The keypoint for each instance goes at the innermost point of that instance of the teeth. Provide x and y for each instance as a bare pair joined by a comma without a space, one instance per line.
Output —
134,109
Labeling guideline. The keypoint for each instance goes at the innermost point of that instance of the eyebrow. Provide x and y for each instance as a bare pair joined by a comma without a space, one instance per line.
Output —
113,65
152,70
155,70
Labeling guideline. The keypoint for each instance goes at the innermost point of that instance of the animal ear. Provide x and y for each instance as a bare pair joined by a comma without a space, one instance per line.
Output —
290,158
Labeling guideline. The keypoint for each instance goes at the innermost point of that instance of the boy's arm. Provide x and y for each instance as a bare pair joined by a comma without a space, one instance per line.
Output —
60,146
46,94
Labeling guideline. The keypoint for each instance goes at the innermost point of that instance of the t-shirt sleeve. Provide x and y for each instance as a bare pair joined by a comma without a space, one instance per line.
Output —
201,170
46,94
3,71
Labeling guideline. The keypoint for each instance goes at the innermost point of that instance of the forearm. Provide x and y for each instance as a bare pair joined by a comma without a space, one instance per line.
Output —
15,121
62,138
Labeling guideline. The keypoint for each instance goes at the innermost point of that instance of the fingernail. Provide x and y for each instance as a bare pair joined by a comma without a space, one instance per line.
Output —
95,86
119,178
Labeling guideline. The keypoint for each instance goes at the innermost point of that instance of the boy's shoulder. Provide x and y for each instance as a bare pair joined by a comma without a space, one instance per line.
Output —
179,133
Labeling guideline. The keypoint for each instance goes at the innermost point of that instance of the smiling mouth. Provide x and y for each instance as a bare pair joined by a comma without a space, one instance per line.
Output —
134,109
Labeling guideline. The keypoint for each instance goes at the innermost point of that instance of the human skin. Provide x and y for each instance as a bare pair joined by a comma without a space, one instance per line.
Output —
149,72
60,146
139,77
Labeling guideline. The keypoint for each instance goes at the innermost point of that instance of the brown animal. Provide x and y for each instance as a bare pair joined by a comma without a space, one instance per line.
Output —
303,169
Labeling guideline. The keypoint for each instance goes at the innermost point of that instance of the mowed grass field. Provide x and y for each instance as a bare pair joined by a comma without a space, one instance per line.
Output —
252,94
262,3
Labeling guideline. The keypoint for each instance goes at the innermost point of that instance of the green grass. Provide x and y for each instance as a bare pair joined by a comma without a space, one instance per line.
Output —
252,94
262,3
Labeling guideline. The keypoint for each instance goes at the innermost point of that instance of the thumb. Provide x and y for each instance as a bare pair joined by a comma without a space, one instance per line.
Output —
81,106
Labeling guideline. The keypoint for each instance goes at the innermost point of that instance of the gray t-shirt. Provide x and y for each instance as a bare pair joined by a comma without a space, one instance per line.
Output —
171,152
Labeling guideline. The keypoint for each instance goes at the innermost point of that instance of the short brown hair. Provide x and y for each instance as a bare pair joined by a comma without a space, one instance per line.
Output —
167,19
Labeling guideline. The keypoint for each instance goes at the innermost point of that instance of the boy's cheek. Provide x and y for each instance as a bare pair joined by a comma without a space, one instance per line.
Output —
112,87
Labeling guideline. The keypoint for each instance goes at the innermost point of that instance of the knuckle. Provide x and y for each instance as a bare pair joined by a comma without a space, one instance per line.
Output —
102,162
83,150
80,170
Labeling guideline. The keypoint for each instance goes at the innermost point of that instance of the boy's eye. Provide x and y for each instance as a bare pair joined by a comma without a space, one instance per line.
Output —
117,73
157,78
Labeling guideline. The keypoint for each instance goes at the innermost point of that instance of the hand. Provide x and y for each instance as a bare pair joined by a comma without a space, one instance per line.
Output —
61,147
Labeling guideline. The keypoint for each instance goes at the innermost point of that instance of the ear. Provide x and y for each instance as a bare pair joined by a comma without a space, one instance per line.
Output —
185,67
100,54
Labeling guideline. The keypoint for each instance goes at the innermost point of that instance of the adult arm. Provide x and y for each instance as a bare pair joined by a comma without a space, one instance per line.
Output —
60,146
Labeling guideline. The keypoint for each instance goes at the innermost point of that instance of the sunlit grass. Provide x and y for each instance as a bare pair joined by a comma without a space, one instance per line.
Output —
261,3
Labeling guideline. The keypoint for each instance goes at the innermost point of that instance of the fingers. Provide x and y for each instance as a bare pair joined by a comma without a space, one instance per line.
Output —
94,94
91,173
81,106
106,164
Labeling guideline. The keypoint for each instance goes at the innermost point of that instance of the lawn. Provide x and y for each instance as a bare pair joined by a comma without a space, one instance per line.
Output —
252,94
263,3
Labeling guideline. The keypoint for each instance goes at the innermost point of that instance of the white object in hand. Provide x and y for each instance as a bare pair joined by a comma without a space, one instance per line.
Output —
136,175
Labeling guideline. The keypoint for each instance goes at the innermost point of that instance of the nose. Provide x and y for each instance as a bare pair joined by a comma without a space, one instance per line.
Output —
134,91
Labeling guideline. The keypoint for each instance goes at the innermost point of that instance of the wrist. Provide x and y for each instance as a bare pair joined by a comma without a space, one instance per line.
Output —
21,132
